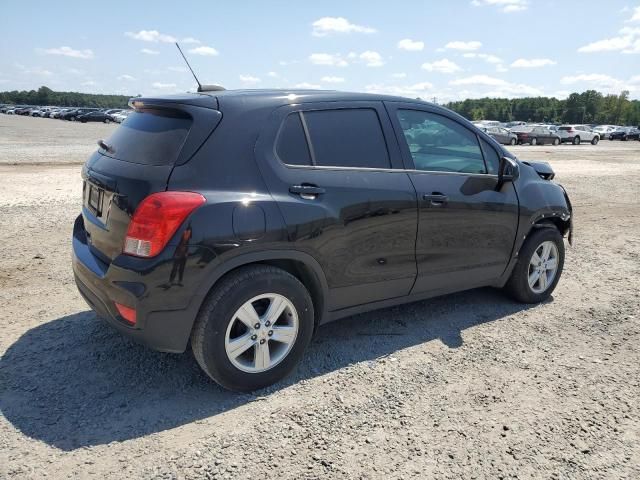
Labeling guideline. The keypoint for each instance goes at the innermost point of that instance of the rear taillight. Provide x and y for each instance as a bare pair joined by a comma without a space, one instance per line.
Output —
128,313
156,220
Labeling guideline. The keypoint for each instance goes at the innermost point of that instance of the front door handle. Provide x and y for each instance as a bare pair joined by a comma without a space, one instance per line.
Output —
307,192
436,199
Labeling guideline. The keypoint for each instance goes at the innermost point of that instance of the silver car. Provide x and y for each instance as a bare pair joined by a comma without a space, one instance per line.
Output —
576,134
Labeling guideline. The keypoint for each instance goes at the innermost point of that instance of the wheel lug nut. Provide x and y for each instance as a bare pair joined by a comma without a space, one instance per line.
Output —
270,332
253,337
256,326
262,341
267,323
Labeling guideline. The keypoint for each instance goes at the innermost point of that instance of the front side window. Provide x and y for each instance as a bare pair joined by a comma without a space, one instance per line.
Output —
438,143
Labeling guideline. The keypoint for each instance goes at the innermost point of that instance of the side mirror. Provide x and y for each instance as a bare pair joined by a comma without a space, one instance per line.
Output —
507,172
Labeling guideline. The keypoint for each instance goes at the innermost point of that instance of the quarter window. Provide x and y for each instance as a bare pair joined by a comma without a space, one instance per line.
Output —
292,145
438,143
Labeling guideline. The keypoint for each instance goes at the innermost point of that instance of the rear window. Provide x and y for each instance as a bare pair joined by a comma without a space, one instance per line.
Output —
150,137
565,128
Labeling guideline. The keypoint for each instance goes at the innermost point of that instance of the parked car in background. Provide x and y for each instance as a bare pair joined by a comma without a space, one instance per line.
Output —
96,116
501,135
577,134
75,113
625,133
198,235
604,131
121,116
536,136
514,124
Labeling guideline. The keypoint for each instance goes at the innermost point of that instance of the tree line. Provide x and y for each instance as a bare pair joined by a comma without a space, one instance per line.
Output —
45,96
587,107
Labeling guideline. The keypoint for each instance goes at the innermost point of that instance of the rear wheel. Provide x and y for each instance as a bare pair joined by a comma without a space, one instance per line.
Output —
534,141
73,119
107,120
513,141
253,328
539,266
576,140
595,141
556,141
624,138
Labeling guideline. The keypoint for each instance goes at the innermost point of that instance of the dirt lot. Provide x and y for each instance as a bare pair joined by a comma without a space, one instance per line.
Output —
465,386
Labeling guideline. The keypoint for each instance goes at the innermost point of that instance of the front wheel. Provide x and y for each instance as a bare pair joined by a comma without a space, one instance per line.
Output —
595,141
513,141
556,141
253,328
539,266
576,140
534,141
107,120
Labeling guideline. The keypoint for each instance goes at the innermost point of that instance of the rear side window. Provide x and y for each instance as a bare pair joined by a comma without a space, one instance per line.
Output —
292,145
150,137
347,138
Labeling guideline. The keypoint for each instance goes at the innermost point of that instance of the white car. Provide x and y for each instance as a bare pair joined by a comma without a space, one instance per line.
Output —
605,130
577,134
121,116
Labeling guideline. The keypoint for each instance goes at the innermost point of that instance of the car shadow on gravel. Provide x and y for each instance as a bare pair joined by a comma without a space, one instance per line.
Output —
74,382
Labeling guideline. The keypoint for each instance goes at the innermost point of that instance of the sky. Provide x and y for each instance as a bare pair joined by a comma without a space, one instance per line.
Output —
442,50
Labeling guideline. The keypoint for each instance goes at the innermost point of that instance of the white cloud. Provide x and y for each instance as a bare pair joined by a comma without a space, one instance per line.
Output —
480,80
607,45
484,56
594,78
442,66
371,58
126,77
328,25
464,46
148,51
272,75
602,82
399,75
500,87
89,83
332,79
636,15
307,86
151,36
532,63
410,45
189,40
204,50
249,79
163,86
329,59
86,54
421,89
506,6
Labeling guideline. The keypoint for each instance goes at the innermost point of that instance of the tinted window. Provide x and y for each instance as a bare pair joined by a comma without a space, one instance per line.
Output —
292,145
437,143
151,137
347,138
491,157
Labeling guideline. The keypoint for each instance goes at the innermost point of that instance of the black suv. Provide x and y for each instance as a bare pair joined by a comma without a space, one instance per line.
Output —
242,220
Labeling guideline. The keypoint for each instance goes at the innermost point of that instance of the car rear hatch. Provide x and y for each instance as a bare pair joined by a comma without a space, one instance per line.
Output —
137,161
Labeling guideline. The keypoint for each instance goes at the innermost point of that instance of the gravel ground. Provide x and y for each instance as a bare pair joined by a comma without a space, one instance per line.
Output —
470,385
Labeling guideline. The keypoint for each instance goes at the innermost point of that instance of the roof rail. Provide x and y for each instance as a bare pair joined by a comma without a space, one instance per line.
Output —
210,88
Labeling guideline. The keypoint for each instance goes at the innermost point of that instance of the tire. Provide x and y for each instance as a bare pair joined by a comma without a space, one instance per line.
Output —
624,138
73,119
518,286
595,141
576,140
534,141
219,316
107,120
556,141
513,141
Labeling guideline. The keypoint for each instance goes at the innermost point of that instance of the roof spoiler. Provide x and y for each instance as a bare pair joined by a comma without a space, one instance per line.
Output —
210,88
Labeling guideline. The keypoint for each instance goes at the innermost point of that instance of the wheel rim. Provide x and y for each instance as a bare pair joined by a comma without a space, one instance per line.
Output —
543,267
261,333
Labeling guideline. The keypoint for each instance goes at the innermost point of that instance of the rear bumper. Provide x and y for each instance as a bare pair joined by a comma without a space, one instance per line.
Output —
101,285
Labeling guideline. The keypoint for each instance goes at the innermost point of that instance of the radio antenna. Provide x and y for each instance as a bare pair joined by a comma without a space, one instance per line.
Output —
192,72
201,88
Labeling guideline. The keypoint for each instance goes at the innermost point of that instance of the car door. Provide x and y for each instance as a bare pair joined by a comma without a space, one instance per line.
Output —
466,224
338,176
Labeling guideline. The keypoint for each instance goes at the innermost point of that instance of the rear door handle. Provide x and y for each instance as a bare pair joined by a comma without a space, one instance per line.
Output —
436,199
308,192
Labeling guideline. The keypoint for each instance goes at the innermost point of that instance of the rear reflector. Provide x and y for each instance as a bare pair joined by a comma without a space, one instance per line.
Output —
156,220
128,313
